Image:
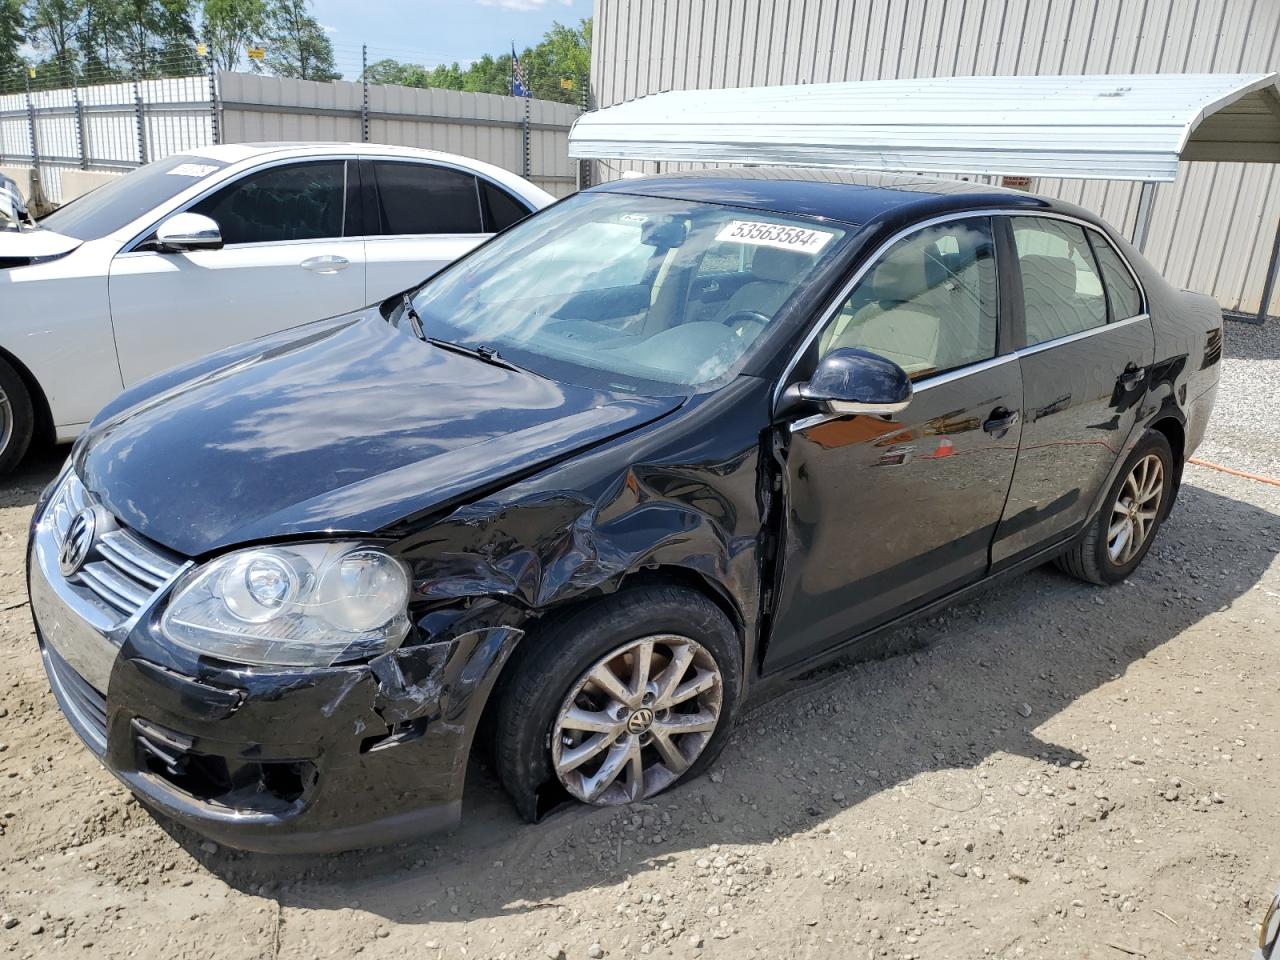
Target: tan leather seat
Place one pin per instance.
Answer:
(902, 320)
(1049, 292)
(773, 278)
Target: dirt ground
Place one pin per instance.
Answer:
(1059, 771)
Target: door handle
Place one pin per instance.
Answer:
(326, 264)
(1000, 421)
(1132, 376)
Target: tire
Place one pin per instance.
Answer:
(1098, 558)
(552, 687)
(17, 419)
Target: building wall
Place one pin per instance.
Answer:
(1211, 230)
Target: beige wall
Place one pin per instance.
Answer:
(1212, 230)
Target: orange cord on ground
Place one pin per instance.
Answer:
(1233, 472)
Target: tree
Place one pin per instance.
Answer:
(230, 26)
(13, 24)
(564, 53)
(154, 37)
(296, 43)
(53, 28)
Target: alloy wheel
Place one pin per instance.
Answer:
(637, 720)
(1133, 516)
(6, 421)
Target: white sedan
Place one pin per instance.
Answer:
(219, 245)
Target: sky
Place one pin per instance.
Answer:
(438, 31)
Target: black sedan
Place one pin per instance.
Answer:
(593, 485)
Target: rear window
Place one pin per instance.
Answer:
(501, 209)
(114, 205)
(417, 198)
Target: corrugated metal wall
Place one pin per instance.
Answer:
(1212, 230)
(479, 125)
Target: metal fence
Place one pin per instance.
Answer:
(115, 127)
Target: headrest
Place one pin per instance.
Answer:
(1052, 275)
(901, 276)
(780, 266)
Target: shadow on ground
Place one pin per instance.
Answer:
(955, 698)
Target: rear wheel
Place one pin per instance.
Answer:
(17, 418)
(1121, 534)
(620, 701)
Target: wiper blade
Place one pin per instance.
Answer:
(412, 313)
(483, 353)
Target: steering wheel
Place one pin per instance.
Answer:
(738, 317)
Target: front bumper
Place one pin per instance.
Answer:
(290, 760)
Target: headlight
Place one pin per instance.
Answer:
(305, 605)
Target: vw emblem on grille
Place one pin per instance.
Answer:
(78, 542)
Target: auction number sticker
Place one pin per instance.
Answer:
(192, 170)
(775, 235)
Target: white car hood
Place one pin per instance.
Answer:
(35, 243)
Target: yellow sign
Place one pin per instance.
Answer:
(31, 72)
(566, 83)
(256, 53)
(201, 50)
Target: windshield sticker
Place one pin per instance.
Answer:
(775, 235)
(192, 170)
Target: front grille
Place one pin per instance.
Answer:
(83, 699)
(123, 570)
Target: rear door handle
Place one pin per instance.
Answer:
(1132, 376)
(1000, 421)
(325, 264)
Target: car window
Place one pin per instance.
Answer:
(1122, 291)
(296, 201)
(501, 209)
(929, 303)
(573, 263)
(419, 198)
(596, 289)
(118, 203)
(1061, 289)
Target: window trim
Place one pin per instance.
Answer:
(131, 247)
(1000, 216)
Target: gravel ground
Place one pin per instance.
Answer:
(1055, 771)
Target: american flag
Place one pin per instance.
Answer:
(519, 85)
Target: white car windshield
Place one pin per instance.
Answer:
(115, 204)
(636, 288)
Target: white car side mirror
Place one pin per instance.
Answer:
(188, 231)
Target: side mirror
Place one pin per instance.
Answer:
(188, 231)
(851, 381)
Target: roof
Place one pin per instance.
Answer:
(847, 196)
(1121, 127)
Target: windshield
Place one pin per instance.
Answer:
(641, 293)
(113, 205)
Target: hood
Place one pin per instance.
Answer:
(30, 244)
(351, 428)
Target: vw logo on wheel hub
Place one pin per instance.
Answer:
(78, 542)
(640, 721)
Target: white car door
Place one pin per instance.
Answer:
(287, 259)
(422, 216)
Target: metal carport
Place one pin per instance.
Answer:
(1112, 127)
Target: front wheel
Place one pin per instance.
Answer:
(615, 704)
(1120, 536)
(17, 419)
